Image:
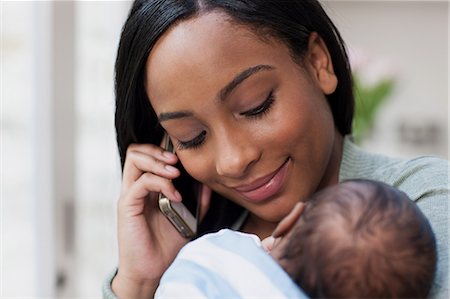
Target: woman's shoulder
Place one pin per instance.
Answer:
(418, 176)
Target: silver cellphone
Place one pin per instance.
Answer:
(183, 215)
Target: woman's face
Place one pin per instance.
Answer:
(246, 119)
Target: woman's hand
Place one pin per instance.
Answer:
(148, 242)
(283, 228)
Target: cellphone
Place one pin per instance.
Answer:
(183, 215)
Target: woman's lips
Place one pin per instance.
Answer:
(266, 186)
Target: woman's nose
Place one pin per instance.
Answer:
(235, 156)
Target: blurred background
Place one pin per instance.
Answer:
(60, 171)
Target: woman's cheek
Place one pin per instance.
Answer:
(198, 166)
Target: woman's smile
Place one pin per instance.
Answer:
(266, 186)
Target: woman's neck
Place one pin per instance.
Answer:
(331, 176)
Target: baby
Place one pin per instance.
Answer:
(358, 239)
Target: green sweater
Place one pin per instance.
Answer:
(424, 179)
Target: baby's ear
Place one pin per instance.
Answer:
(288, 222)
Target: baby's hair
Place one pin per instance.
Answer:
(362, 239)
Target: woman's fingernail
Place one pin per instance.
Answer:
(170, 168)
(177, 195)
(168, 155)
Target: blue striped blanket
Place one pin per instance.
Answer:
(226, 264)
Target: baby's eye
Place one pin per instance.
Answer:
(193, 143)
(262, 109)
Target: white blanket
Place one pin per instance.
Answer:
(226, 264)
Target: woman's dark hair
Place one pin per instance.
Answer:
(290, 21)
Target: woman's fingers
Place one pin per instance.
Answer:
(134, 199)
(147, 240)
(289, 221)
(267, 244)
(147, 158)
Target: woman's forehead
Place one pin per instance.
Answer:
(208, 38)
(204, 53)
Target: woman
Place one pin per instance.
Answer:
(257, 98)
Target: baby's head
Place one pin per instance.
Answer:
(359, 239)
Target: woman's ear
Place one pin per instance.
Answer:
(288, 222)
(319, 61)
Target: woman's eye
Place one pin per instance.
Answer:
(262, 109)
(193, 143)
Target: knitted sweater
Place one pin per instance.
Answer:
(424, 179)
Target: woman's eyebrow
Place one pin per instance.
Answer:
(224, 92)
(173, 115)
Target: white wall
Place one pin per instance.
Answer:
(17, 243)
(411, 39)
(98, 174)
